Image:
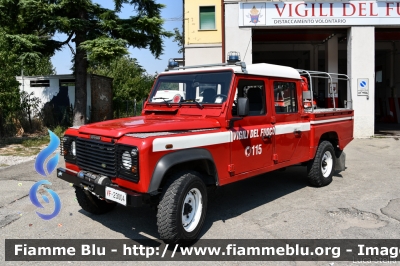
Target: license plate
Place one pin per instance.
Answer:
(116, 195)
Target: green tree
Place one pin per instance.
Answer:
(16, 55)
(178, 37)
(29, 105)
(98, 33)
(130, 80)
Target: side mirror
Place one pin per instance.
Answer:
(242, 106)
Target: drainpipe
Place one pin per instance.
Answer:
(183, 32)
(223, 29)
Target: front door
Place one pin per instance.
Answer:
(252, 137)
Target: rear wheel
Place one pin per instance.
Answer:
(91, 203)
(320, 169)
(182, 209)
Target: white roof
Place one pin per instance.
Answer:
(62, 76)
(270, 70)
(261, 69)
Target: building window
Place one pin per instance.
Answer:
(207, 17)
(67, 82)
(40, 83)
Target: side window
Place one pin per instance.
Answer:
(285, 97)
(254, 90)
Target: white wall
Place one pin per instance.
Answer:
(203, 54)
(361, 64)
(237, 39)
(45, 94)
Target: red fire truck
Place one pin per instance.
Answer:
(201, 127)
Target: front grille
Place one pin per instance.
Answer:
(96, 156)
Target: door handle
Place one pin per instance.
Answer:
(297, 132)
(266, 137)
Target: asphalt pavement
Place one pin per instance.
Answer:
(362, 202)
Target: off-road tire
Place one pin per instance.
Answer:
(91, 203)
(324, 160)
(171, 207)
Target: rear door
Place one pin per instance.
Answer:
(291, 128)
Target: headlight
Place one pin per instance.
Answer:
(126, 160)
(68, 148)
(73, 148)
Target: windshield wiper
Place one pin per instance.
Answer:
(164, 99)
(193, 101)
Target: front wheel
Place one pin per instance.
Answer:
(182, 209)
(320, 169)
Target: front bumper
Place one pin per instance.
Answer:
(134, 199)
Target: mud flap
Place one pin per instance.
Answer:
(340, 161)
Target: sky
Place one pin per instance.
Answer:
(172, 14)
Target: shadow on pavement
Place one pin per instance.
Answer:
(225, 203)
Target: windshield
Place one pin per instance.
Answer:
(198, 88)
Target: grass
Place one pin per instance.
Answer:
(3, 165)
(27, 146)
(35, 142)
(27, 142)
(18, 150)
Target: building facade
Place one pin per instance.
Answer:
(357, 38)
(203, 32)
